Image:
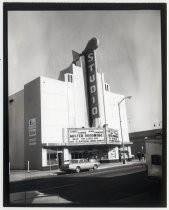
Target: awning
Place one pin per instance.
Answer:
(81, 145)
(52, 151)
(53, 145)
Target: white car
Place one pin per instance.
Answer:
(78, 165)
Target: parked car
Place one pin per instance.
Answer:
(78, 165)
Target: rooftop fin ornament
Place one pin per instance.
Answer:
(91, 45)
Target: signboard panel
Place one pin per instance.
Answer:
(92, 136)
(32, 142)
(112, 154)
(32, 122)
(86, 136)
(91, 77)
(32, 131)
(113, 136)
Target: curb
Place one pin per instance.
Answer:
(125, 165)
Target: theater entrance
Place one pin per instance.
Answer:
(86, 154)
(99, 154)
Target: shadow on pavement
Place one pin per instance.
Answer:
(134, 190)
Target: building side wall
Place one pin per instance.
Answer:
(57, 109)
(16, 130)
(32, 107)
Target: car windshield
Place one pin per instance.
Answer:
(74, 161)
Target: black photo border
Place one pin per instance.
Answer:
(24, 6)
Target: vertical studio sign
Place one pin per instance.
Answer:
(92, 85)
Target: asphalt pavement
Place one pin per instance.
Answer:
(126, 186)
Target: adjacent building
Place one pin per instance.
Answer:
(139, 140)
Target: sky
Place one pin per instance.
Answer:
(40, 43)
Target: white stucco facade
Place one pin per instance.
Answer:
(59, 108)
(64, 105)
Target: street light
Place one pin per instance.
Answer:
(127, 97)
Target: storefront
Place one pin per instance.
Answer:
(104, 153)
(91, 143)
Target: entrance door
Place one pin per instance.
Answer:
(60, 159)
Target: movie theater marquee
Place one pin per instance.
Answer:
(91, 136)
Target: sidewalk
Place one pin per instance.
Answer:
(18, 175)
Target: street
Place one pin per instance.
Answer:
(125, 186)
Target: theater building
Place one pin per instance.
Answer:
(76, 116)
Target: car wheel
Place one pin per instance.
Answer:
(95, 167)
(77, 169)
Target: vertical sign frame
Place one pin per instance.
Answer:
(91, 77)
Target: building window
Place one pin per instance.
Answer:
(32, 122)
(107, 87)
(70, 78)
(156, 159)
(52, 157)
